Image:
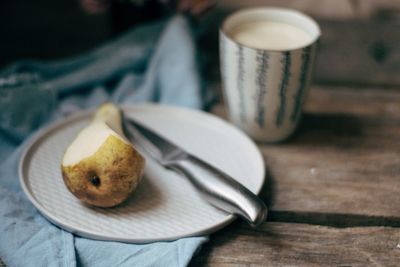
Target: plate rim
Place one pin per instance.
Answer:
(42, 133)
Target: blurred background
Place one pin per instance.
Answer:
(360, 44)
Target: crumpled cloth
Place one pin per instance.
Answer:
(155, 62)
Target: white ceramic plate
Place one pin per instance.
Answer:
(165, 206)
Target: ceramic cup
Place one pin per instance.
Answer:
(264, 89)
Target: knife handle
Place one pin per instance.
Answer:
(221, 190)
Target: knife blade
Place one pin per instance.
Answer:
(214, 185)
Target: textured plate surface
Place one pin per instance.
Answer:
(165, 206)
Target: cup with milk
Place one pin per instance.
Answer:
(266, 57)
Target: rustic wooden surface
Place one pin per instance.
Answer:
(341, 169)
(356, 52)
(290, 244)
(359, 52)
(344, 160)
(338, 10)
(360, 43)
(333, 189)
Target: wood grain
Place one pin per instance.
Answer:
(363, 48)
(358, 52)
(338, 10)
(342, 166)
(286, 244)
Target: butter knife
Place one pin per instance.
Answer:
(215, 186)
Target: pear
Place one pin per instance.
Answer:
(100, 167)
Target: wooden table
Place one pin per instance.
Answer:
(333, 190)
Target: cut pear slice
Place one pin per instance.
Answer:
(101, 167)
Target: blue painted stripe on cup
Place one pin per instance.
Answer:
(261, 84)
(286, 62)
(305, 66)
(240, 84)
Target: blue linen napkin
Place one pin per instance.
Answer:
(155, 62)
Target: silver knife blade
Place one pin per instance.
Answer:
(157, 146)
(217, 187)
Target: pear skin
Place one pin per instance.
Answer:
(106, 173)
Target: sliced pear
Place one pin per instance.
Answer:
(100, 167)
